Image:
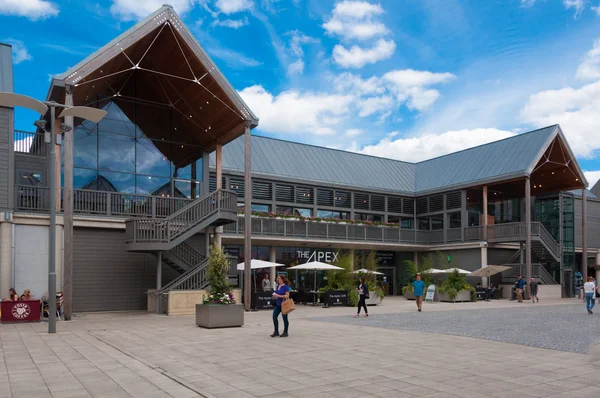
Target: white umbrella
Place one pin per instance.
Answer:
(316, 266)
(432, 271)
(450, 270)
(257, 264)
(366, 271)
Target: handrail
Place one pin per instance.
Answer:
(30, 143)
(549, 240)
(188, 254)
(197, 276)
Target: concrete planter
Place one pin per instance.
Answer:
(409, 295)
(212, 316)
(463, 295)
(373, 299)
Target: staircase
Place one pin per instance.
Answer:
(182, 257)
(537, 271)
(543, 244)
(153, 235)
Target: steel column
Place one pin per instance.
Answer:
(68, 210)
(52, 230)
(247, 216)
(560, 245)
(527, 230)
(485, 213)
(584, 267)
(219, 167)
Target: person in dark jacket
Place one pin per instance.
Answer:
(533, 289)
(519, 285)
(363, 295)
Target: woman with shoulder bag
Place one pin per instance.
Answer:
(282, 292)
(363, 295)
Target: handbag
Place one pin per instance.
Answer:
(287, 306)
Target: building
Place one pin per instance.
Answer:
(163, 173)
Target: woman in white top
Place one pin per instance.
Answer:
(590, 294)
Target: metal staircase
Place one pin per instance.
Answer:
(182, 257)
(542, 243)
(155, 235)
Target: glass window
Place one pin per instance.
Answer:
(116, 121)
(260, 208)
(155, 186)
(454, 220)
(423, 223)
(406, 223)
(115, 182)
(394, 219)
(303, 212)
(474, 218)
(85, 148)
(85, 179)
(341, 215)
(437, 222)
(284, 210)
(186, 172)
(188, 189)
(149, 159)
(116, 153)
(368, 217)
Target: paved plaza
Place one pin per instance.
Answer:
(497, 349)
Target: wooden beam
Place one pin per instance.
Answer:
(247, 216)
(527, 230)
(68, 211)
(584, 268)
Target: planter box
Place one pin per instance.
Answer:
(219, 316)
(373, 299)
(463, 295)
(409, 295)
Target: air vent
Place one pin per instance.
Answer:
(342, 199)
(453, 200)
(377, 203)
(284, 193)
(422, 206)
(262, 190)
(436, 203)
(212, 183)
(361, 201)
(304, 195)
(394, 205)
(324, 197)
(408, 206)
(237, 186)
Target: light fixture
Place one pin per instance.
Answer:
(552, 173)
(535, 186)
(540, 185)
(149, 177)
(175, 128)
(182, 146)
(577, 179)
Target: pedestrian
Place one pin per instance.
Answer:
(418, 289)
(590, 294)
(363, 295)
(282, 291)
(266, 284)
(519, 284)
(533, 289)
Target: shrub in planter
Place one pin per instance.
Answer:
(455, 283)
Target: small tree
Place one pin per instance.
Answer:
(220, 289)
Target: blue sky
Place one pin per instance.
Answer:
(407, 79)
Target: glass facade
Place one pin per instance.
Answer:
(341, 215)
(368, 217)
(116, 155)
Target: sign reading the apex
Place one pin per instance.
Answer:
(325, 257)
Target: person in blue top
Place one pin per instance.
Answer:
(519, 284)
(282, 291)
(418, 289)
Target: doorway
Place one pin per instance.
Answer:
(388, 280)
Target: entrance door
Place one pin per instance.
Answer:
(388, 280)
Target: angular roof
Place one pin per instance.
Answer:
(596, 189)
(513, 157)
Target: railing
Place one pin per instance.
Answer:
(32, 198)
(507, 232)
(182, 221)
(30, 143)
(551, 244)
(188, 254)
(537, 271)
(473, 233)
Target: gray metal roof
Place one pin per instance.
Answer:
(511, 157)
(6, 68)
(273, 157)
(596, 189)
(508, 157)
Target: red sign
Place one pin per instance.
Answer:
(20, 311)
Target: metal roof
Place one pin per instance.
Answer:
(302, 162)
(507, 158)
(6, 68)
(512, 156)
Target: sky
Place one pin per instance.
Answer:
(403, 79)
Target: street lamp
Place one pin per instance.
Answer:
(11, 100)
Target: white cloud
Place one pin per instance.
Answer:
(296, 68)
(32, 9)
(357, 57)
(298, 39)
(592, 176)
(411, 85)
(233, 59)
(576, 110)
(416, 149)
(527, 3)
(597, 9)
(356, 20)
(233, 6)
(353, 132)
(578, 5)
(294, 112)
(231, 23)
(19, 51)
(372, 105)
(128, 10)
(352, 83)
(590, 67)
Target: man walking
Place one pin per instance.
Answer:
(533, 289)
(418, 290)
(590, 294)
(519, 284)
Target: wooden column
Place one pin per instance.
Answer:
(68, 209)
(205, 173)
(57, 163)
(584, 268)
(485, 213)
(247, 216)
(273, 259)
(464, 216)
(560, 245)
(219, 167)
(194, 177)
(527, 230)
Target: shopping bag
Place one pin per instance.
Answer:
(287, 306)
